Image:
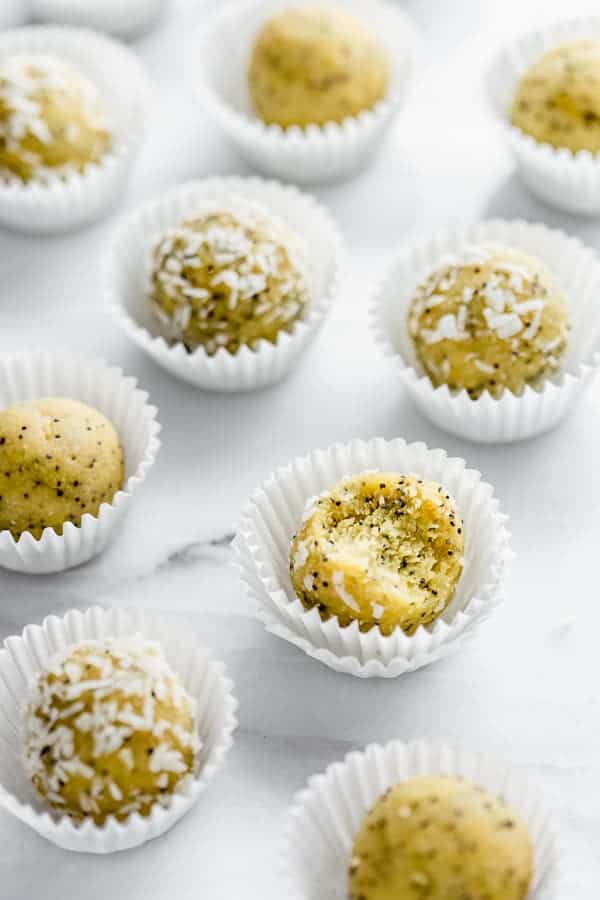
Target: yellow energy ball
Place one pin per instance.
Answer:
(380, 548)
(228, 279)
(52, 121)
(557, 101)
(488, 319)
(436, 838)
(59, 459)
(314, 65)
(109, 730)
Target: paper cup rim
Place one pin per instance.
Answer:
(550, 36)
(412, 376)
(111, 10)
(125, 146)
(339, 770)
(314, 136)
(234, 186)
(179, 802)
(152, 447)
(249, 560)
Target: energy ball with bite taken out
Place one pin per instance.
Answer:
(380, 548)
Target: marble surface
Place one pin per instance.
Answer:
(526, 689)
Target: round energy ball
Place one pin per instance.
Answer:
(489, 319)
(52, 122)
(437, 838)
(59, 459)
(228, 279)
(379, 548)
(312, 66)
(557, 101)
(109, 730)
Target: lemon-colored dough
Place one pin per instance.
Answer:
(489, 318)
(228, 279)
(109, 730)
(436, 838)
(557, 101)
(381, 548)
(312, 66)
(59, 459)
(52, 122)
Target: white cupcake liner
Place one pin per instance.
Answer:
(273, 514)
(325, 817)
(314, 154)
(508, 417)
(122, 18)
(24, 657)
(29, 376)
(79, 199)
(248, 369)
(13, 12)
(568, 181)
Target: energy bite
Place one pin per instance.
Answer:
(52, 121)
(437, 838)
(491, 319)
(228, 278)
(314, 65)
(109, 730)
(59, 459)
(557, 101)
(383, 549)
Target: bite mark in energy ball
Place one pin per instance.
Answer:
(379, 548)
(489, 319)
(227, 279)
(59, 459)
(557, 101)
(313, 66)
(440, 838)
(52, 121)
(109, 730)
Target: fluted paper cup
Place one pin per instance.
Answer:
(326, 816)
(13, 12)
(77, 199)
(273, 514)
(128, 280)
(26, 377)
(510, 417)
(569, 181)
(219, 71)
(21, 661)
(122, 18)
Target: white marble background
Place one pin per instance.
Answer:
(526, 689)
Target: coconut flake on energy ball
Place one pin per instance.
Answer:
(52, 121)
(109, 730)
(489, 318)
(228, 277)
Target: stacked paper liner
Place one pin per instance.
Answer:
(325, 817)
(275, 511)
(78, 199)
(220, 73)
(13, 12)
(29, 376)
(128, 280)
(509, 417)
(24, 657)
(569, 181)
(123, 19)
